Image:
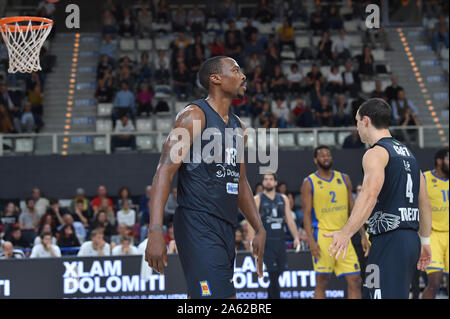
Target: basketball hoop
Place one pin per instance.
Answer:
(24, 37)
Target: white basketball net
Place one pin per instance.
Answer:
(24, 46)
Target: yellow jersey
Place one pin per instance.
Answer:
(330, 201)
(438, 193)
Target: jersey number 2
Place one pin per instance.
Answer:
(333, 199)
(409, 189)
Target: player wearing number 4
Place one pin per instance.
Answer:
(274, 210)
(437, 186)
(393, 195)
(326, 201)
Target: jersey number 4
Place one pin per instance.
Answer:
(409, 189)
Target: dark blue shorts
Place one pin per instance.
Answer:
(275, 255)
(206, 249)
(395, 254)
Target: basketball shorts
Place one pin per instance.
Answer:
(439, 252)
(275, 255)
(206, 250)
(327, 265)
(392, 264)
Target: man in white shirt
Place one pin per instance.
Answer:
(95, 247)
(123, 126)
(8, 251)
(295, 80)
(45, 248)
(40, 203)
(341, 45)
(125, 247)
(126, 215)
(281, 113)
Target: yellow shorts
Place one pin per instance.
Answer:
(439, 252)
(327, 265)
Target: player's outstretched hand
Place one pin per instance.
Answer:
(365, 246)
(339, 244)
(425, 258)
(258, 244)
(156, 251)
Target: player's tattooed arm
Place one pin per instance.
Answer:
(174, 150)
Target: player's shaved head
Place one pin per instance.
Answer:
(210, 66)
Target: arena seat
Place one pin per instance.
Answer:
(350, 26)
(104, 109)
(163, 124)
(127, 44)
(368, 86)
(162, 44)
(444, 54)
(325, 70)
(302, 42)
(24, 145)
(378, 55)
(286, 140)
(144, 142)
(305, 139)
(103, 126)
(342, 136)
(99, 143)
(355, 40)
(326, 138)
(287, 55)
(144, 125)
(179, 105)
(316, 40)
(265, 28)
(144, 44)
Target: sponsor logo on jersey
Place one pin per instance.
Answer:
(339, 181)
(205, 288)
(232, 188)
(434, 180)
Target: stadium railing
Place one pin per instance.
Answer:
(152, 141)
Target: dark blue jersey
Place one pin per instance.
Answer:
(272, 216)
(209, 183)
(398, 203)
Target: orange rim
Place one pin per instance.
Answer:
(7, 23)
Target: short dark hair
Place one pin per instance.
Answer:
(379, 112)
(46, 234)
(275, 177)
(210, 66)
(440, 154)
(320, 147)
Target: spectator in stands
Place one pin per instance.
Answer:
(29, 220)
(196, 20)
(126, 75)
(81, 196)
(45, 9)
(353, 141)
(68, 239)
(109, 23)
(266, 118)
(404, 111)
(228, 8)
(333, 18)
(257, 100)
(378, 92)
(294, 80)
(45, 248)
(233, 48)
(179, 20)
(181, 42)
(144, 100)
(122, 230)
(392, 90)
(440, 37)
(169, 235)
(171, 206)
(17, 239)
(108, 48)
(6, 125)
(194, 64)
(143, 200)
(334, 81)
(47, 220)
(239, 240)
(8, 99)
(302, 113)
(324, 114)
(283, 189)
(341, 47)
(35, 99)
(253, 62)
(249, 29)
(125, 247)
(313, 76)
(341, 112)
(101, 194)
(27, 120)
(80, 214)
(123, 139)
(95, 247)
(350, 80)
(272, 59)
(316, 94)
(105, 64)
(104, 92)
(102, 223)
(237, 33)
(193, 47)
(277, 85)
(126, 62)
(182, 82)
(144, 72)
(124, 102)
(8, 251)
(264, 14)
(241, 106)
(162, 12)
(366, 63)
(286, 36)
(324, 53)
(299, 13)
(145, 22)
(126, 215)
(8, 218)
(281, 113)
(80, 231)
(257, 77)
(161, 67)
(217, 47)
(318, 20)
(378, 36)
